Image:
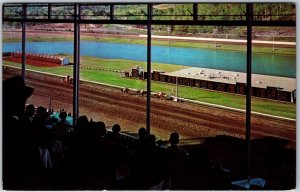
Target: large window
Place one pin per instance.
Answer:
(195, 67)
(199, 56)
(49, 58)
(112, 66)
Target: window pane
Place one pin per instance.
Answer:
(37, 11)
(108, 90)
(274, 11)
(274, 93)
(62, 12)
(222, 11)
(173, 12)
(49, 57)
(203, 69)
(130, 12)
(91, 12)
(12, 11)
(12, 43)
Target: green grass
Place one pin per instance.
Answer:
(125, 65)
(214, 97)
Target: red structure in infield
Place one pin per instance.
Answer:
(37, 59)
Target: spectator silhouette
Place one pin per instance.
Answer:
(41, 129)
(63, 124)
(116, 128)
(174, 139)
(28, 115)
(83, 160)
(115, 134)
(98, 129)
(81, 126)
(63, 116)
(142, 133)
(140, 144)
(21, 162)
(151, 147)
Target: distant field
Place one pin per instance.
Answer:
(114, 78)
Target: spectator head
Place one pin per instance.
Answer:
(29, 110)
(15, 94)
(98, 128)
(151, 138)
(116, 128)
(63, 115)
(82, 122)
(84, 129)
(101, 128)
(45, 116)
(174, 138)
(142, 133)
(40, 110)
(159, 143)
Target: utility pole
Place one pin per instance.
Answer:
(273, 43)
(169, 30)
(176, 99)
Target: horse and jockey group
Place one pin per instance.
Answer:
(143, 92)
(68, 79)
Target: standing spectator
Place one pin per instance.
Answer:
(21, 161)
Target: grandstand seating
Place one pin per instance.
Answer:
(84, 159)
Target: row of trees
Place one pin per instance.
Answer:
(206, 11)
(211, 11)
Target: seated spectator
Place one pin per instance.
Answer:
(41, 130)
(151, 147)
(141, 143)
(174, 139)
(39, 113)
(142, 133)
(63, 123)
(115, 134)
(82, 124)
(98, 129)
(85, 157)
(116, 128)
(63, 116)
(28, 115)
(159, 143)
(40, 110)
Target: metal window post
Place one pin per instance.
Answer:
(24, 12)
(176, 88)
(49, 11)
(112, 12)
(249, 73)
(148, 115)
(195, 11)
(76, 62)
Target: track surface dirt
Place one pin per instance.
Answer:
(193, 122)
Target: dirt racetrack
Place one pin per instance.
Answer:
(193, 122)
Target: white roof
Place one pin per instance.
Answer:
(232, 77)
